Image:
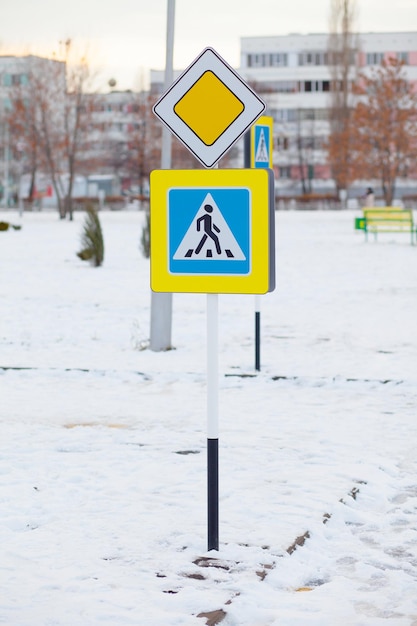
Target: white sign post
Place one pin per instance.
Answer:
(212, 422)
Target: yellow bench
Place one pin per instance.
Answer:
(389, 220)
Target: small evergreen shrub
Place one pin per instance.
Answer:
(92, 243)
(7, 225)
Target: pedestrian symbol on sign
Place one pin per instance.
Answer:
(209, 236)
(209, 231)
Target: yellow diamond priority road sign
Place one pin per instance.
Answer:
(209, 107)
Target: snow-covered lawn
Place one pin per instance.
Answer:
(103, 442)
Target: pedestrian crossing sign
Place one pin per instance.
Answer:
(262, 142)
(212, 231)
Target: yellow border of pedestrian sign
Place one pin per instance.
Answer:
(232, 251)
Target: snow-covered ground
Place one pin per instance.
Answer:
(103, 442)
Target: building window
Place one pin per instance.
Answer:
(282, 116)
(403, 56)
(307, 86)
(278, 59)
(311, 142)
(285, 171)
(314, 85)
(287, 86)
(305, 142)
(321, 115)
(313, 58)
(14, 80)
(338, 57)
(305, 114)
(277, 86)
(374, 58)
(256, 60)
(273, 59)
(282, 143)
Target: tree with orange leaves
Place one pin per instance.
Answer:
(383, 128)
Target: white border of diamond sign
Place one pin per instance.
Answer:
(209, 60)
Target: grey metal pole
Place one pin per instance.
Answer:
(247, 161)
(6, 165)
(161, 303)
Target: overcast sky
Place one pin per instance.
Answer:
(127, 37)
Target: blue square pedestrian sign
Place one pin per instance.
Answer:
(262, 142)
(204, 238)
(211, 231)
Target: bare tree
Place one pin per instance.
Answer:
(77, 118)
(144, 142)
(342, 50)
(48, 92)
(24, 134)
(144, 147)
(305, 146)
(52, 116)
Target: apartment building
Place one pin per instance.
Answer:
(116, 117)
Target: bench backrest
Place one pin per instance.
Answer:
(388, 215)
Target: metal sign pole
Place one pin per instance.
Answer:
(258, 333)
(247, 163)
(161, 303)
(212, 423)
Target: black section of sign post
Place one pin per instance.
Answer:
(213, 494)
(246, 150)
(258, 341)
